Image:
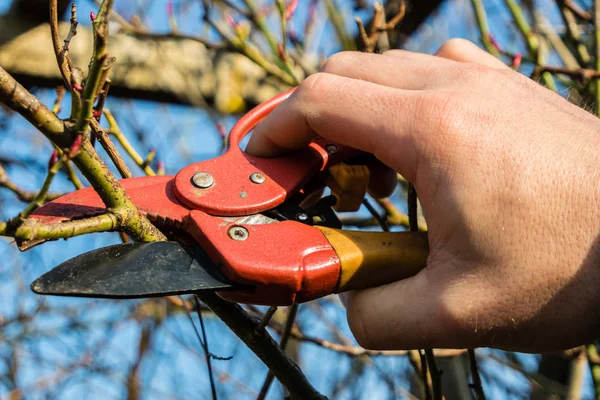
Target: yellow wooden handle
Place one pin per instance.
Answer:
(370, 259)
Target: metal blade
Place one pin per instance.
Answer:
(135, 270)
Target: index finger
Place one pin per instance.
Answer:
(370, 117)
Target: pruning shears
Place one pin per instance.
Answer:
(255, 230)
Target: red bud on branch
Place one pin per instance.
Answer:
(231, 21)
(53, 159)
(517, 59)
(92, 16)
(78, 88)
(281, 52)
(170, 9)
(221, 130)
(160, 167)
(494, 42)
(290, 9)
(74, 150)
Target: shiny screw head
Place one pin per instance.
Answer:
(302, 217)
(238, 233)
(331, 148)
(257, 178)
(203, 180)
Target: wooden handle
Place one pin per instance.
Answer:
(370, 259)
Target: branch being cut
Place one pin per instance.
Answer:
(33, 231)
(263, 345)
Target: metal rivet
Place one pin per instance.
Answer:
(331, 148)
(301, 217)
(203, 180)
(238, 233)
(257, 178)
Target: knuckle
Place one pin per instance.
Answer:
(314, 85)
(316, 89)
(454, 47)
(395, 53)
(311, 88)
(339, 61)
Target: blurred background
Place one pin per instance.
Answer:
(180, 81)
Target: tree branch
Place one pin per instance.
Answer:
(31, 230)
(262, 344)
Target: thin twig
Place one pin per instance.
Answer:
(574, 32)
(207, 353)
(425, 376)
(58, 51)
(337, 21)
(32, 230)
(545, 28)
(267, 317)
(396, 19)
(285, 335)
(122, 139)
(70, 35)
(484, 28)
(261, 343)
(414, 358)
(110, 149)
(98, 66)
(23, 195)
(476, 385)
(584, 74)
(382, 221)
(40, 198)
(72, 175)
(258, 19)
(60, 94)
(531, 40)
(575, 9)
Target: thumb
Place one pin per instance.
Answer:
(408, 314)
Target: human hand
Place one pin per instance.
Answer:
(507, 174)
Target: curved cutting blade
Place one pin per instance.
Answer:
(134, 270)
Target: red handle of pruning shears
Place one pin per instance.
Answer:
(232, 192)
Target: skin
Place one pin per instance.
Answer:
(507, 173)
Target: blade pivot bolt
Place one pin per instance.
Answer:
(331, 148)
(238, 233)
(257, 178)
(203, 180)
